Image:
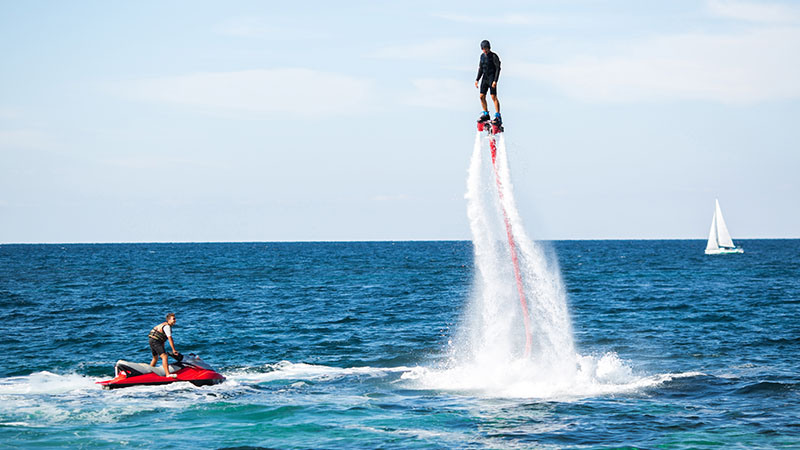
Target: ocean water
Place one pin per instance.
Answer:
(387, 345)
(497, 342)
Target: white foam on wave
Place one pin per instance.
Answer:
(47, 383)
(286, 370)
(44, 398)
(523, 378)
(20, 424)
(592, 376)
(440, 437)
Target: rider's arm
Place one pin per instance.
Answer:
(496, 67)
(172, 344)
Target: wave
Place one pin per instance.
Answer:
(46, 383)
(767, 388)
(286, 370)
(592, 377)
(46, 398)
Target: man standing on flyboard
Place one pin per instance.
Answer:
(489, 70)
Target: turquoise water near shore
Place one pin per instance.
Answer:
(348, 345)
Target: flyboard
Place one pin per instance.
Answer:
(492, 129)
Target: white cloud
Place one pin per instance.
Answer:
(735, 68)
(23, 139)
(505, 19)
(299, 92)
(446, 94)
(149, 162)
(391, 198)
(8, 113)
(435, 50)
(258, 28)
(754, 12)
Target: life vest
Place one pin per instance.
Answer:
(157, 332)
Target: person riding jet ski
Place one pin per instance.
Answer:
(158, 337)
(188, 368)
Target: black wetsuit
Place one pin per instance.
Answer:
(489, 69)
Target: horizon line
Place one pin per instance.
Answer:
(370, 241)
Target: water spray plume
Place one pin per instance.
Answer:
(514, 257)
(518, 306)
(515, 338)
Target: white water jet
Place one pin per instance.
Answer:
(493, 332)
(488, 355)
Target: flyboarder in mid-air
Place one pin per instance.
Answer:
(489, 70)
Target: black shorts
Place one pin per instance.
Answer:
(488, 86)
(157, 347)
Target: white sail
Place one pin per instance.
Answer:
(723, 236)
(712, 235)
(719, 239)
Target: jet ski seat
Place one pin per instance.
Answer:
(143, 368)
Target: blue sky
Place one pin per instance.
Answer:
(274, 121)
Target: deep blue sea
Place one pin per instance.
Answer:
(321, 344)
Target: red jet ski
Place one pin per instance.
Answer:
(187, 368)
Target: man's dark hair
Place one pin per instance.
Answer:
(170, 315)
(485, 44)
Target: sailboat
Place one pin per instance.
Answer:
(719, 239)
